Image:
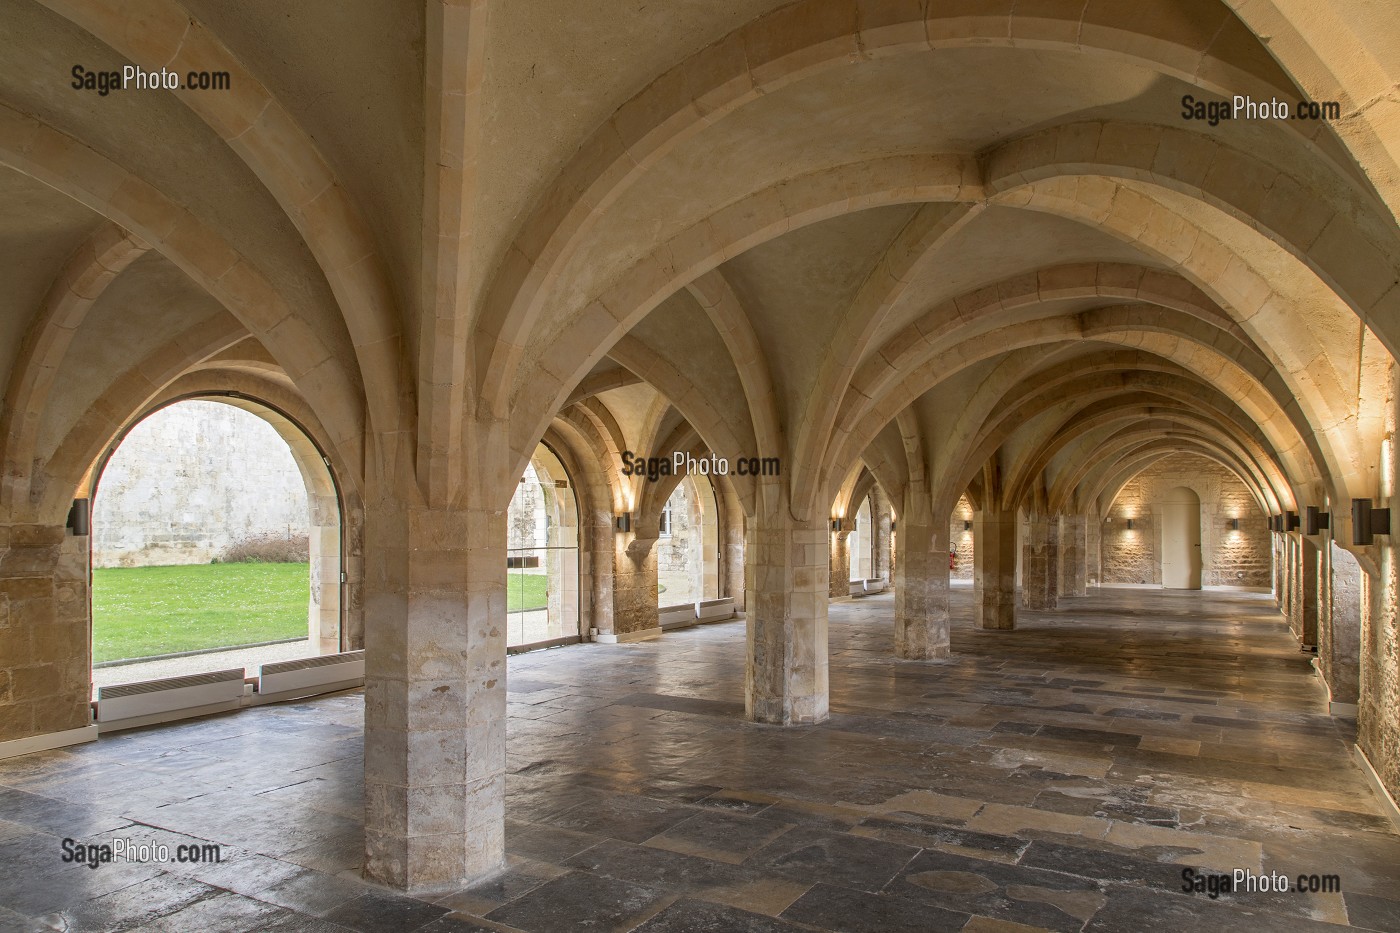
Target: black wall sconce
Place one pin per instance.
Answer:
(1315, 520)
(836, 524)
(894, 523)
(967, 525)
(1276, 523)
(1292, 521)
(80, 518)
(624, 521)
(1130, 524)
(1234, 524)
(1367, 522)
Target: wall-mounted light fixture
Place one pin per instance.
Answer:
(836, 524)
(1292, 521)
(1276, 523)
(79, 518)
(1130, 524)
(1234, 524)
(894, 523)
(967, 525)
(624, 521)
(1316, 520)
(1367, 522)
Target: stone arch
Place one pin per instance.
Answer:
(795, 42)
(128, 394)
(944, 364)
(255, 125)
(327, 628)
(1075, 432)
(64, 163)
(1126, 440)
(95, 265)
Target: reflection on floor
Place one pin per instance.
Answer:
(1060, 776)
(246, 658)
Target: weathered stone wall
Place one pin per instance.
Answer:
(1377, 726)
(1228, 557)
(1339, 621)
(190, 480)
(45, 641)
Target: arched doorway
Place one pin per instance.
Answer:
(216, 543)
(1181, 539)
(542, 556)
(861, 542)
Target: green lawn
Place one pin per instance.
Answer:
(142, 611)
(526, 591)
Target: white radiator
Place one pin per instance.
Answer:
(287, 680)
(676, 616)
(125, 706)
(715, 610)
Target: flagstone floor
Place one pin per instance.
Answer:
(1061, 776)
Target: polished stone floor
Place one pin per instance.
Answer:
(1057, 777)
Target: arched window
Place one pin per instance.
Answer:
(861, 543)
(687, 557)
(542, 592)
(215, 544)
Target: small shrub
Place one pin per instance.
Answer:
(267, 549)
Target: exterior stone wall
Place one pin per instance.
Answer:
(687, 562)
(526, 526)
(190, 480)
(673, 552)
(1228, 557)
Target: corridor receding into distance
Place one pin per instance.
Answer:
(1064, 773)
(771, 465)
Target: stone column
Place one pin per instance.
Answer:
(840, 564)
(435, 697)
(882, 538)
(635, 587)
(735, 534)
(1093, 541)
(1290, 579)
(994, 569)
(1307, 591)
(1040, 570)
(788, 576)
(1073, 555)
(1293, 580)
(921, 628)
(1339, 640)
(45, 632)
(596, 565)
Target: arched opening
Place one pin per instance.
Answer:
(687, 551)
(961, 540)
(1181, 539)
(542, 556)
(216, 543)
(862, 542)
